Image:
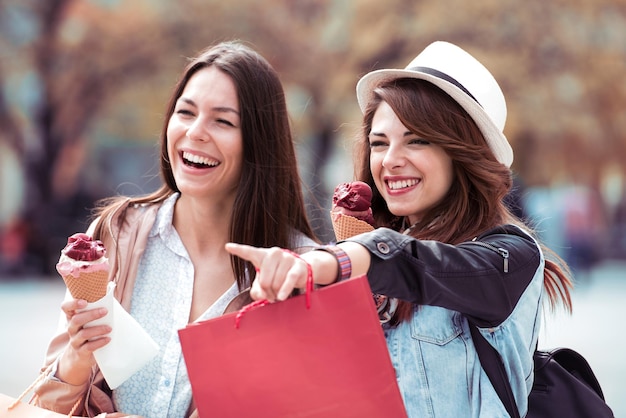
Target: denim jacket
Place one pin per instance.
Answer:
(495, 280)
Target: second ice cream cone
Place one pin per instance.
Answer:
(346, 226)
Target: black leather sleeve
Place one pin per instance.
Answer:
(483, 279)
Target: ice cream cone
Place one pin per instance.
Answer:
(90, 286)
(346, 226)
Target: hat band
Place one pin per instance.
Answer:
(444, 76)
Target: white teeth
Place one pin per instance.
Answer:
(197, 159)
(401, 184)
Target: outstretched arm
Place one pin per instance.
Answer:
(280, 271)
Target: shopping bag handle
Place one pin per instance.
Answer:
(263, 302)
(39, 378)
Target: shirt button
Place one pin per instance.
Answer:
(383, 248)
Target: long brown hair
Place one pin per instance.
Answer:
(475, 202)
(269, 204)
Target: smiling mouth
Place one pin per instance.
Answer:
(198, 161)
(401, 184)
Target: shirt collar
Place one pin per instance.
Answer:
(163, 223)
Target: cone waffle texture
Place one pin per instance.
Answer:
(346, 226)
(89, 286)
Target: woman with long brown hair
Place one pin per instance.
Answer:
(446, 247)
(229, 173)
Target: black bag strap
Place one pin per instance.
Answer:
(494, 368)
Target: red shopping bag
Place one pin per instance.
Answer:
(285, 359)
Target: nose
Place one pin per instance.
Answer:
(197, 131)
(394, 157)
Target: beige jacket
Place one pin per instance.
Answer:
(124, 256)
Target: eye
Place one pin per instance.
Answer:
(225, 122)
(419, 141)
(184, 112)
(377, 144)
(185, 107)
(377, 141)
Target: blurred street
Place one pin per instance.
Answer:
(29, 314)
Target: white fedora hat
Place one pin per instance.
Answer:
(464, 79)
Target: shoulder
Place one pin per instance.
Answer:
(510, 237)
(125, 216)
(137, 211)
(518, 246)
(507, 230)
(299, 239)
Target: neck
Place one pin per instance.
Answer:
(201, 225)
(407, 226)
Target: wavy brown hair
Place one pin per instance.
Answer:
(269, 204)
(475, 202)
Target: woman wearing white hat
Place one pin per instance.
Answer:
(447, 248)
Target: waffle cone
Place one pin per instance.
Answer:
(346, 226)
(88, 286)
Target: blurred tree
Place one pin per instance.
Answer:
(87, 73)
(77, 61)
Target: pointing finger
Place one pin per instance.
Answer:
(253, 254)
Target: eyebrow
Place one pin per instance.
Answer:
(382, 134)
(218, 108)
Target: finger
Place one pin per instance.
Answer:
(90, 338)
(271, 272)
(295, 277)
(284, 281)
(81, 319)
(256, 292)
(273, 266)
(91, 345)
(72, 306)
(247, 252)
(93, 333)
(280, 272)
(85, 337)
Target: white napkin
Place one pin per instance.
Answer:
(130, 347)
